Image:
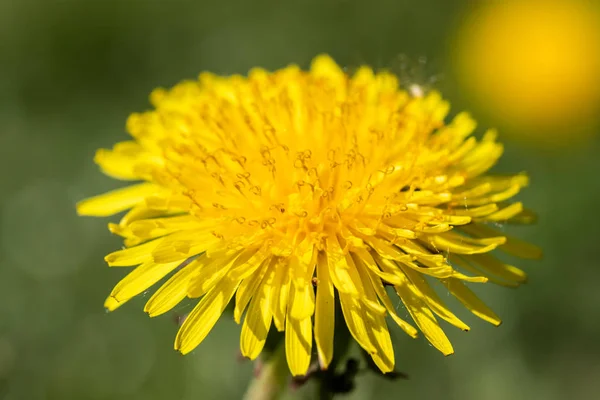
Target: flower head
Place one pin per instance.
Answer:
(291, 188)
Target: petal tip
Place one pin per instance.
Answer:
(152, 310)
(111, 303)
(84, 209)
(182, 348)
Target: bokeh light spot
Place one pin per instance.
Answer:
(533, 65)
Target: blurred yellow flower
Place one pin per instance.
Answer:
(533, 64)
(293, 188)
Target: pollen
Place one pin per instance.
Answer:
(289, 189)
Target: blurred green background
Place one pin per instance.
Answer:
(70, 73)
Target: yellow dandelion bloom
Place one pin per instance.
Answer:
(291, 188)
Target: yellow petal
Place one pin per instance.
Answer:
(356, 321)
(258, 320)
(437, 268)
(210, 271)
(477, 212)
(491, 198)
(204, 316)
(421, 254)
(506, 213)
(248, 262)
(434, 302)
(375, 324)
(298, 344)
(302, 302)
(471, 301)
(445, 271)
(122, 229)
(387, 250)
(491, 264)
(522, 249)
(477, 189)
(499, 182)
(133, 255)
(384, 356)
(141, 212)
(485, 241)
(324, 313)
(525, 217)
(280, 297)
(447, 219)
(513, 246)
(172, 202)
(249, 286)
(466, 263)
(371, 264)
(302, 296)
(452, 243)
(137, 281)
(324, 66)
(121, 161)
(342, 274)
(464, 148)
(116, 201)
(172, 292)
(398, 232)
(444, 227)
(183, 244)
(385, 299)
(483, 156)
(155, 227)
(423, 317)
(369, 298)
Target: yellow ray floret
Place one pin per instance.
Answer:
(297, 192)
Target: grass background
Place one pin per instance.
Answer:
(70, 73)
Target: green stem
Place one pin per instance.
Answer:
(272, 378)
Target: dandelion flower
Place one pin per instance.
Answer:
(288, 189)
